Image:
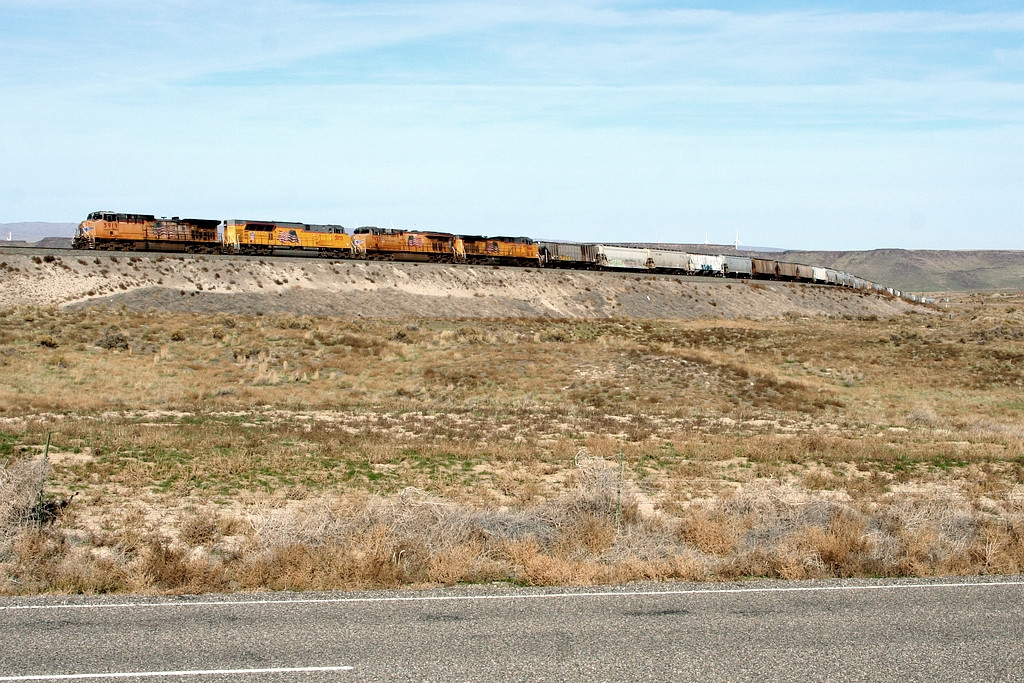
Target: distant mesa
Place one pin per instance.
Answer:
(34, 232)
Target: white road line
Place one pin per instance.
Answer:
(535, 596)
(155, 674)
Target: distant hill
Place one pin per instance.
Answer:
(33, 232)
(910, 270)
(922, 270)
(54, 243)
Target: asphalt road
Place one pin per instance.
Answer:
(840, 631)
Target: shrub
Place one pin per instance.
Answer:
(112, 339)
(20, 492)
(202, 528)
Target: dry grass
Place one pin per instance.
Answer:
(20, 487)
(217, 452)
(767, 529)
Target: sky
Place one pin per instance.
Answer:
(846, 125)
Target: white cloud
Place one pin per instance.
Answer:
(566, 43)
(570, 120)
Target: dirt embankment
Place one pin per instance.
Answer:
(393, 290)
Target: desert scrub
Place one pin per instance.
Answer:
(250, 451)
(25, 510)
(593, 529)
(20, 485)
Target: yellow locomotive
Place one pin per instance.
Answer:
(508, 251)
(266, 237)
(389, 244)
(143, 232)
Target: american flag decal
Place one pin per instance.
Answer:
(163, 230)
(491, 248)
(415, 240)
(288, 237)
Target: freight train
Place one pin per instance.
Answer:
(106, 230)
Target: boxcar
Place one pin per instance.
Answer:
(819, 274)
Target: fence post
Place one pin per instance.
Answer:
(42, 480)
(618, 496)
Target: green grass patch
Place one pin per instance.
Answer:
(7, 443)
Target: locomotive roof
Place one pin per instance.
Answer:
(113, 215)
(519, 240)
(202, 222)
(374, 230)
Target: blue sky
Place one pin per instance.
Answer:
(855, 125)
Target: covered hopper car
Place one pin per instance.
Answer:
(738, 266)
(624, 258)
(707, 264)
(669, 261)
(568, 255)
